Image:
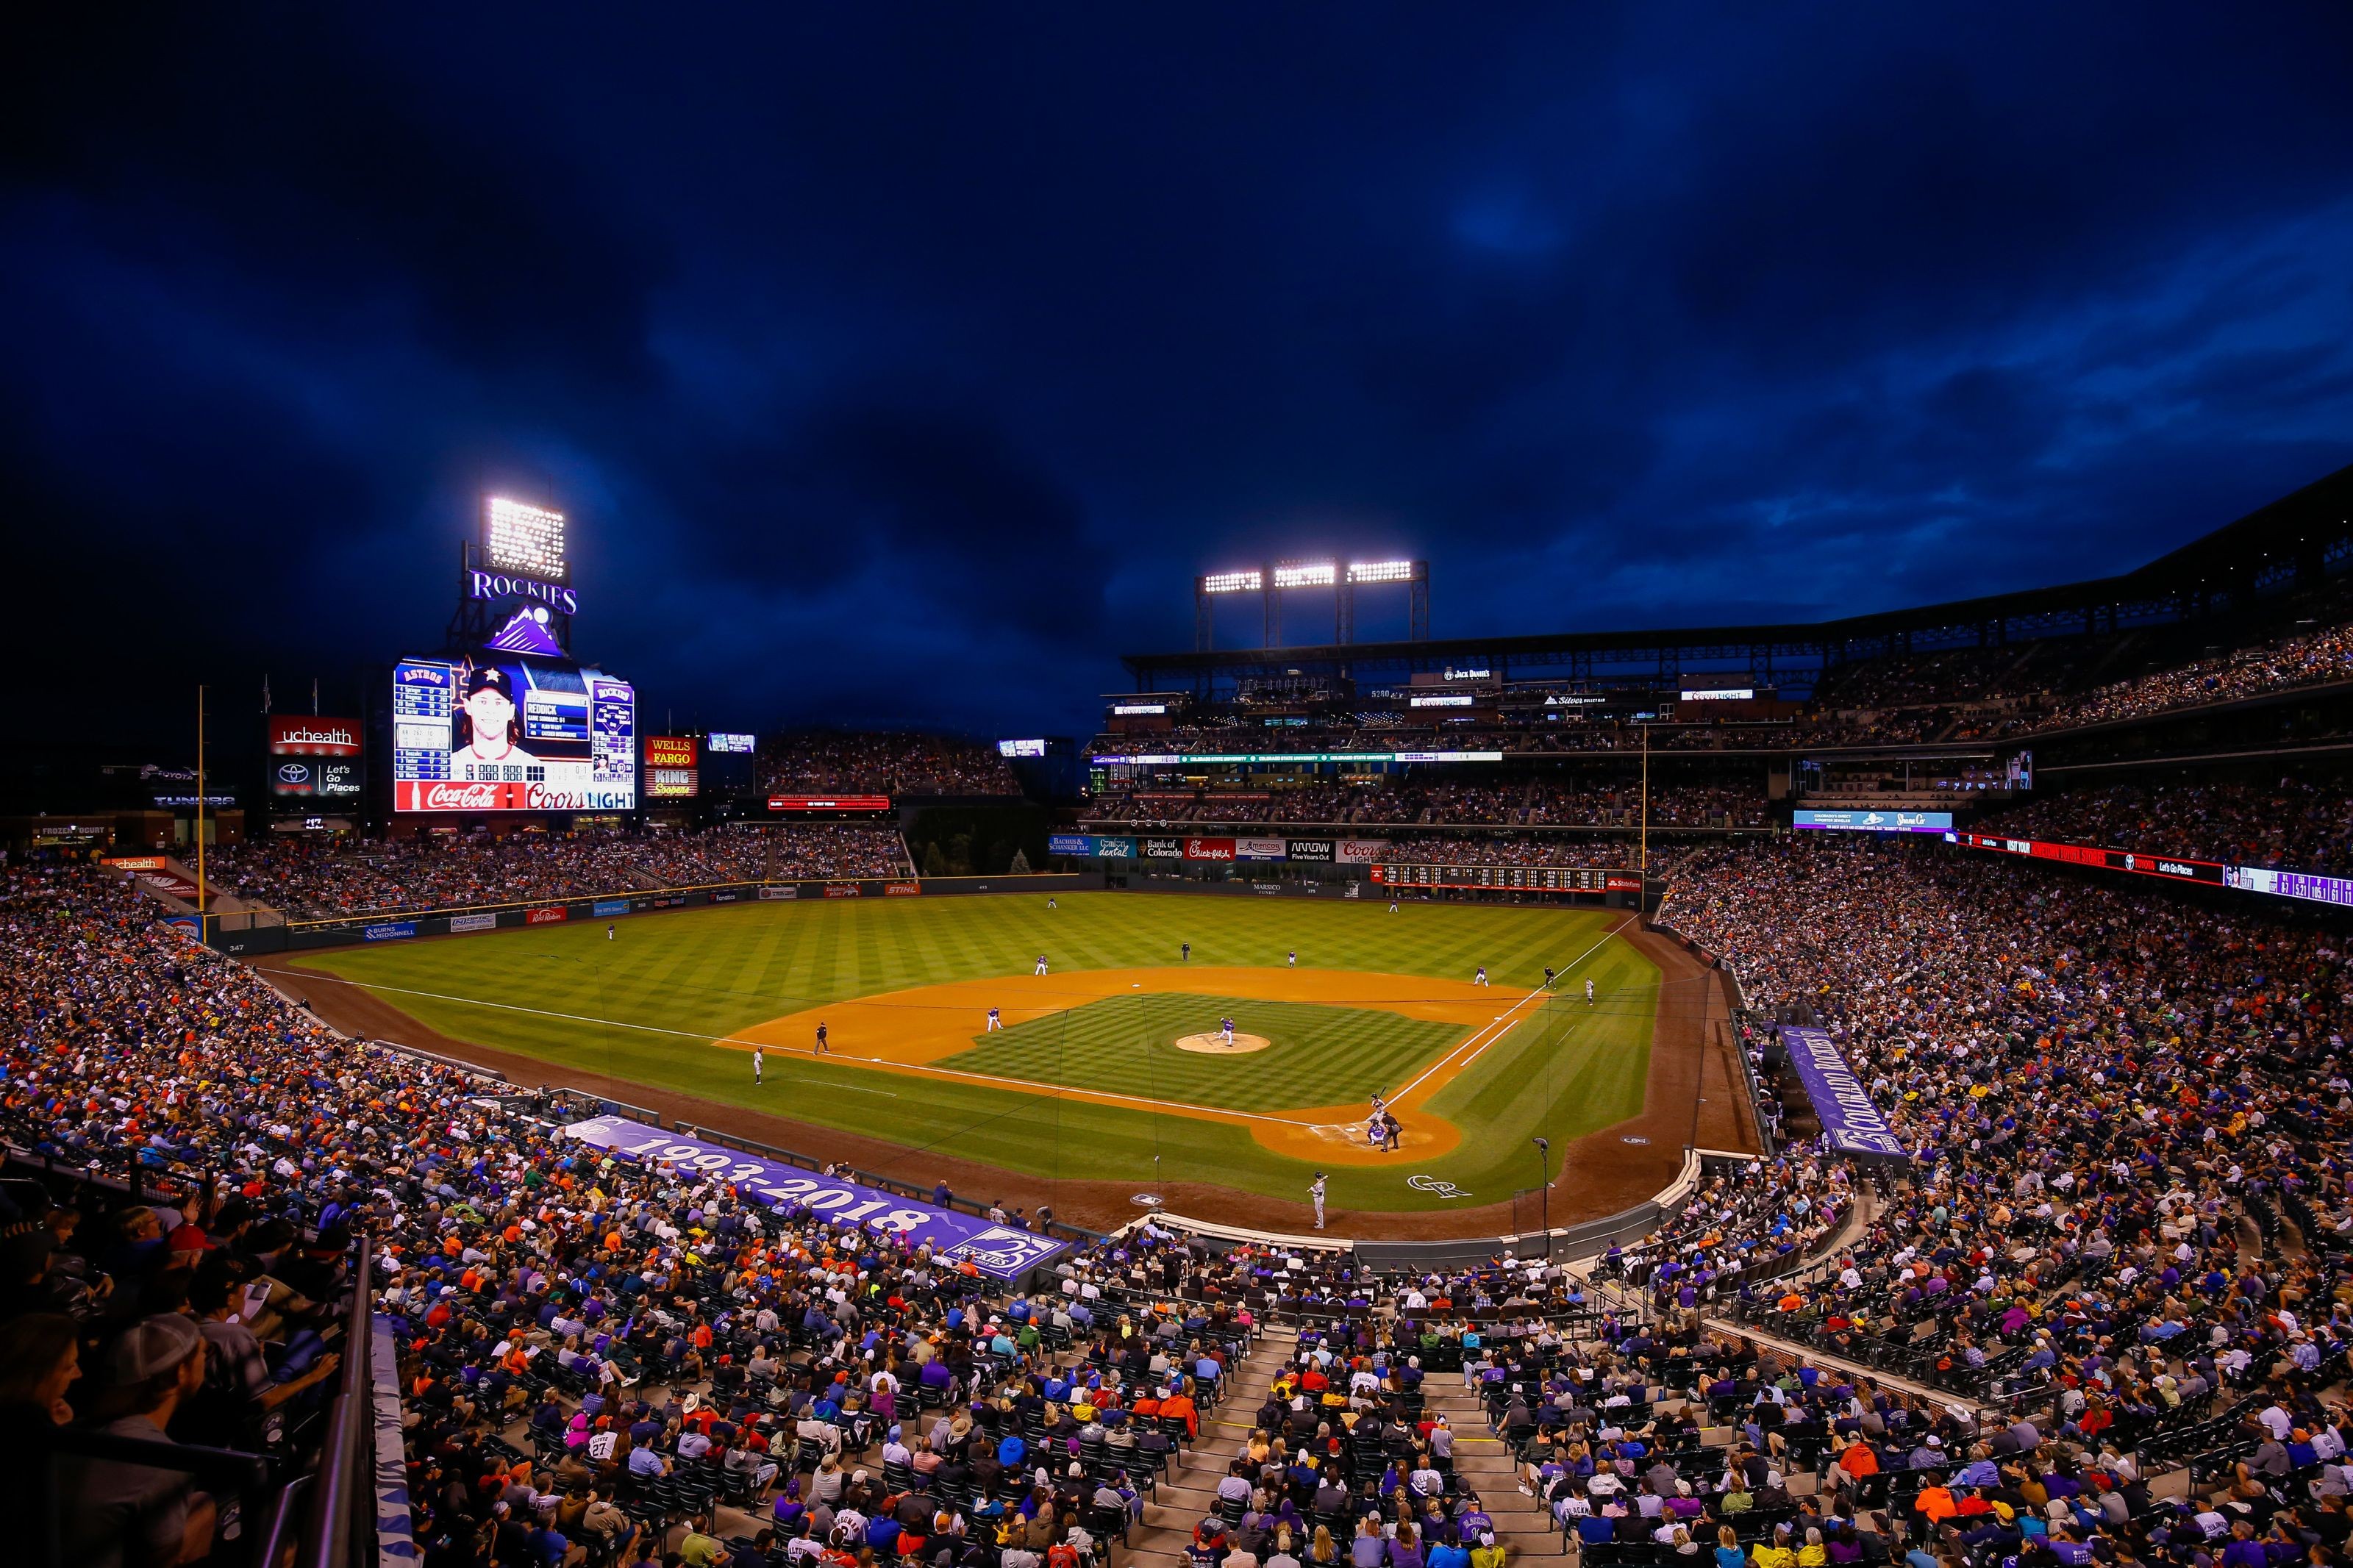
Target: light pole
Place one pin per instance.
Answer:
(1544, 1188)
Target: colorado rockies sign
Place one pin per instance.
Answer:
(998, 1251)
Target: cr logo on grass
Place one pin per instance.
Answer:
(1435, 1187)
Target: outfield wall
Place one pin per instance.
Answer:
(294, 936)
(1564, 1244)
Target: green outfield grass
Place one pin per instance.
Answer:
(1317, 1054)
(647, 1004)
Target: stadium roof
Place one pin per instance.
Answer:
(2292, 543)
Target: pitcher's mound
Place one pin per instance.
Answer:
(1215, 1044)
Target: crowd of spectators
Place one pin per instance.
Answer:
(595, 1356)
(2311, 658)
(2117, 1108)
(311, 876)
(308, 876)
(881, 762)
(2295, 824)
(2094, 1084)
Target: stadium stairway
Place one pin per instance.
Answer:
(1484, 1465)
(1188, 1493)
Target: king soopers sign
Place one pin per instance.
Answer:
(998, 1251)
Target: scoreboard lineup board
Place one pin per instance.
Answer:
(1509, 878)
(568, 740)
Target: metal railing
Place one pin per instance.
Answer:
(341, 1521)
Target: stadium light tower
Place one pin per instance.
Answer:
(1414, 574)
(1272, 580)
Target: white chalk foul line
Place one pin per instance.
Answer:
(1505, 1019)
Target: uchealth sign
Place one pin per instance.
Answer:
(1208, 850)
(296, 737)
(999, 1251)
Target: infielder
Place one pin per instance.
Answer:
(1316, 1192)
(1480, 978)
(996, 1022)
(1294, 958)
(1041, 963)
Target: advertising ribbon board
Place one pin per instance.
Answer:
(1854, 1124)
(998, 1251)
(1875, 821)
(2289, 884)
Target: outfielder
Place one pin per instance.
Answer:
(757, 1060)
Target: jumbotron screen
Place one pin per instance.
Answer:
(511, 734)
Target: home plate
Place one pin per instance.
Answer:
(1215, 1044)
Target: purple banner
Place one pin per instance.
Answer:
(1844, 1106)
(999, 1251)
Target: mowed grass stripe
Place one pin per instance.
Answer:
(1317, 1055)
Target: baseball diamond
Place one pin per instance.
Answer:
(1089, 1078)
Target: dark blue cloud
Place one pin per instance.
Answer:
(908, 364)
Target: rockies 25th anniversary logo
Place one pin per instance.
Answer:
(1435, 1187)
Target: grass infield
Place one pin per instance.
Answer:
(1086, 1082)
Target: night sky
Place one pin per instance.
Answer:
(905, 370)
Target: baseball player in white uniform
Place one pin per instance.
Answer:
(1315, 1191)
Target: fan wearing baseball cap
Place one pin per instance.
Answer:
(115, 1514)
(490, 723)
